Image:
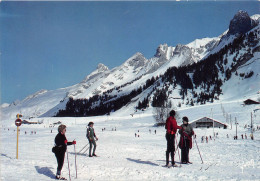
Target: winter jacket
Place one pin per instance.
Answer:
(171, 125)
(186, 134)
(60, 143)
(91, 133)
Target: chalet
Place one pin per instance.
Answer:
(206, 122)
(28, 122)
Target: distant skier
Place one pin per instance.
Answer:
(91, 138)
(207, 139)
(242, 136)
(171, 129)
(245, 136)
(227, 136)
(60, 149)
(154, 131)
(135, 134)
(251, 136)
(186, 140)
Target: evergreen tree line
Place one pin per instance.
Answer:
(101, 104)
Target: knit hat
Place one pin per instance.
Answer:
(185, 119)
(90, 123)
(61, 127)
(172, 113)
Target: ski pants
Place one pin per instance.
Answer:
(185, 151)
(60, 160)
(170, 147)
(92, 142)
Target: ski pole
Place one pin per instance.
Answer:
(199, 151)
(86, 150)
(178, 152)
(68, 164)
(83, 147)
(75, 159)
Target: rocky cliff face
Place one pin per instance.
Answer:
(241, 23)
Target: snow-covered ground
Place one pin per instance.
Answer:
(126, 157)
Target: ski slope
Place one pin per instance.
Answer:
(122, 156)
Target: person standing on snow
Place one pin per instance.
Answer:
(186, 140)
(60, 148)
(171, 129)
(91, 135)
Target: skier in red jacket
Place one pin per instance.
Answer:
(171, 129)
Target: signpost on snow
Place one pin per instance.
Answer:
(236, 123)
(18, 123)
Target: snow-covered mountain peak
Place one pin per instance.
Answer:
(256, 17)
(102, 68)
(164, 51)
(4, 105)
(36, 94)
(204, 42)
(137, 60)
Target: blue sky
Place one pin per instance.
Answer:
(50, 45)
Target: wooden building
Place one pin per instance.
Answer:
(206, 122)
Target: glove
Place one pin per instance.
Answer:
(74, 142)
(66, 141)
(96, 138)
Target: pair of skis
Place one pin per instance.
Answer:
(84, 149)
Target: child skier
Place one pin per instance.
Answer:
(91, 135)
(60, 148)
(186, 140)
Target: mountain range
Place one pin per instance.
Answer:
(206, 70)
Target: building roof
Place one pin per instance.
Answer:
(210, 119)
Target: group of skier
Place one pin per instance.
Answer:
(185, 143)
(61, 144)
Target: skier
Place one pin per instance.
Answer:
(154, 131)
(60, 149)
(91, 135)
(171, 129)
(242, 136)
(207, 139)
(186, 140)
(245, 136)
(251, 136)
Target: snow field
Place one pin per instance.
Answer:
(126, 157)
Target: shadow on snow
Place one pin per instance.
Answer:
(45, 171)
(142, 162)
